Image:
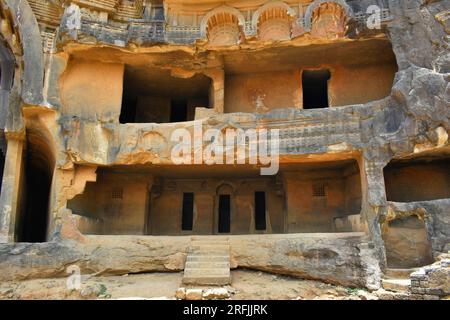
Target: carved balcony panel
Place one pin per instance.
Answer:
(147, 32)
(182, 34)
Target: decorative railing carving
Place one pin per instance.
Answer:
(182, 34)
(129, 22)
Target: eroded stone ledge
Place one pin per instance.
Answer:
(335, 258)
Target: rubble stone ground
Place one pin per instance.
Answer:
(247, 284)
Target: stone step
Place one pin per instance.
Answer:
(212, 277)
(207, 280)
(209, 238)
(207, 264)
(212, 252)
(208, 261)
(398, 273)
(207, 258)
(396, 285)
(206, 273)
(225, 247)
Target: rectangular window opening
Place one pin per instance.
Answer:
(153, 95)
(260, 210)
(315, 88)
(187, 218)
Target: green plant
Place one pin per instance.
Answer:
(352, 291)
(103, 292)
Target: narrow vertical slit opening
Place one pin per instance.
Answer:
(187, 219)
(260, 210)
(224, 213)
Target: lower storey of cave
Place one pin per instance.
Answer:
(308, 220)
(323, 197)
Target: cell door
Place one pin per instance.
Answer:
(224, 213)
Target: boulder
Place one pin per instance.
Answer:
(216, 293)
(194, 294)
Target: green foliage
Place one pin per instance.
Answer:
(352, 291)
(103, 293)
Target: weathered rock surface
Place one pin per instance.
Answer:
(436, 215)
(334, 258)
(102, 255)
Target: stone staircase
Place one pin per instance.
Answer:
(397, 280)
(208, 261)
(399, 273)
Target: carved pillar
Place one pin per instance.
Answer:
(10, 202)
(217, 90)
(373, 202)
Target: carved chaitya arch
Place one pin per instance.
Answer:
(222, 26)
(225, 188)
(33, 75)
(327, 18)
(273, 21)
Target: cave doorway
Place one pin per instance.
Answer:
(315, 88)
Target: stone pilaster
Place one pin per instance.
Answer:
(374, 203)
(10, 194)
(217, 92)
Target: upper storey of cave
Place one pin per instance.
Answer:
(211, 23)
